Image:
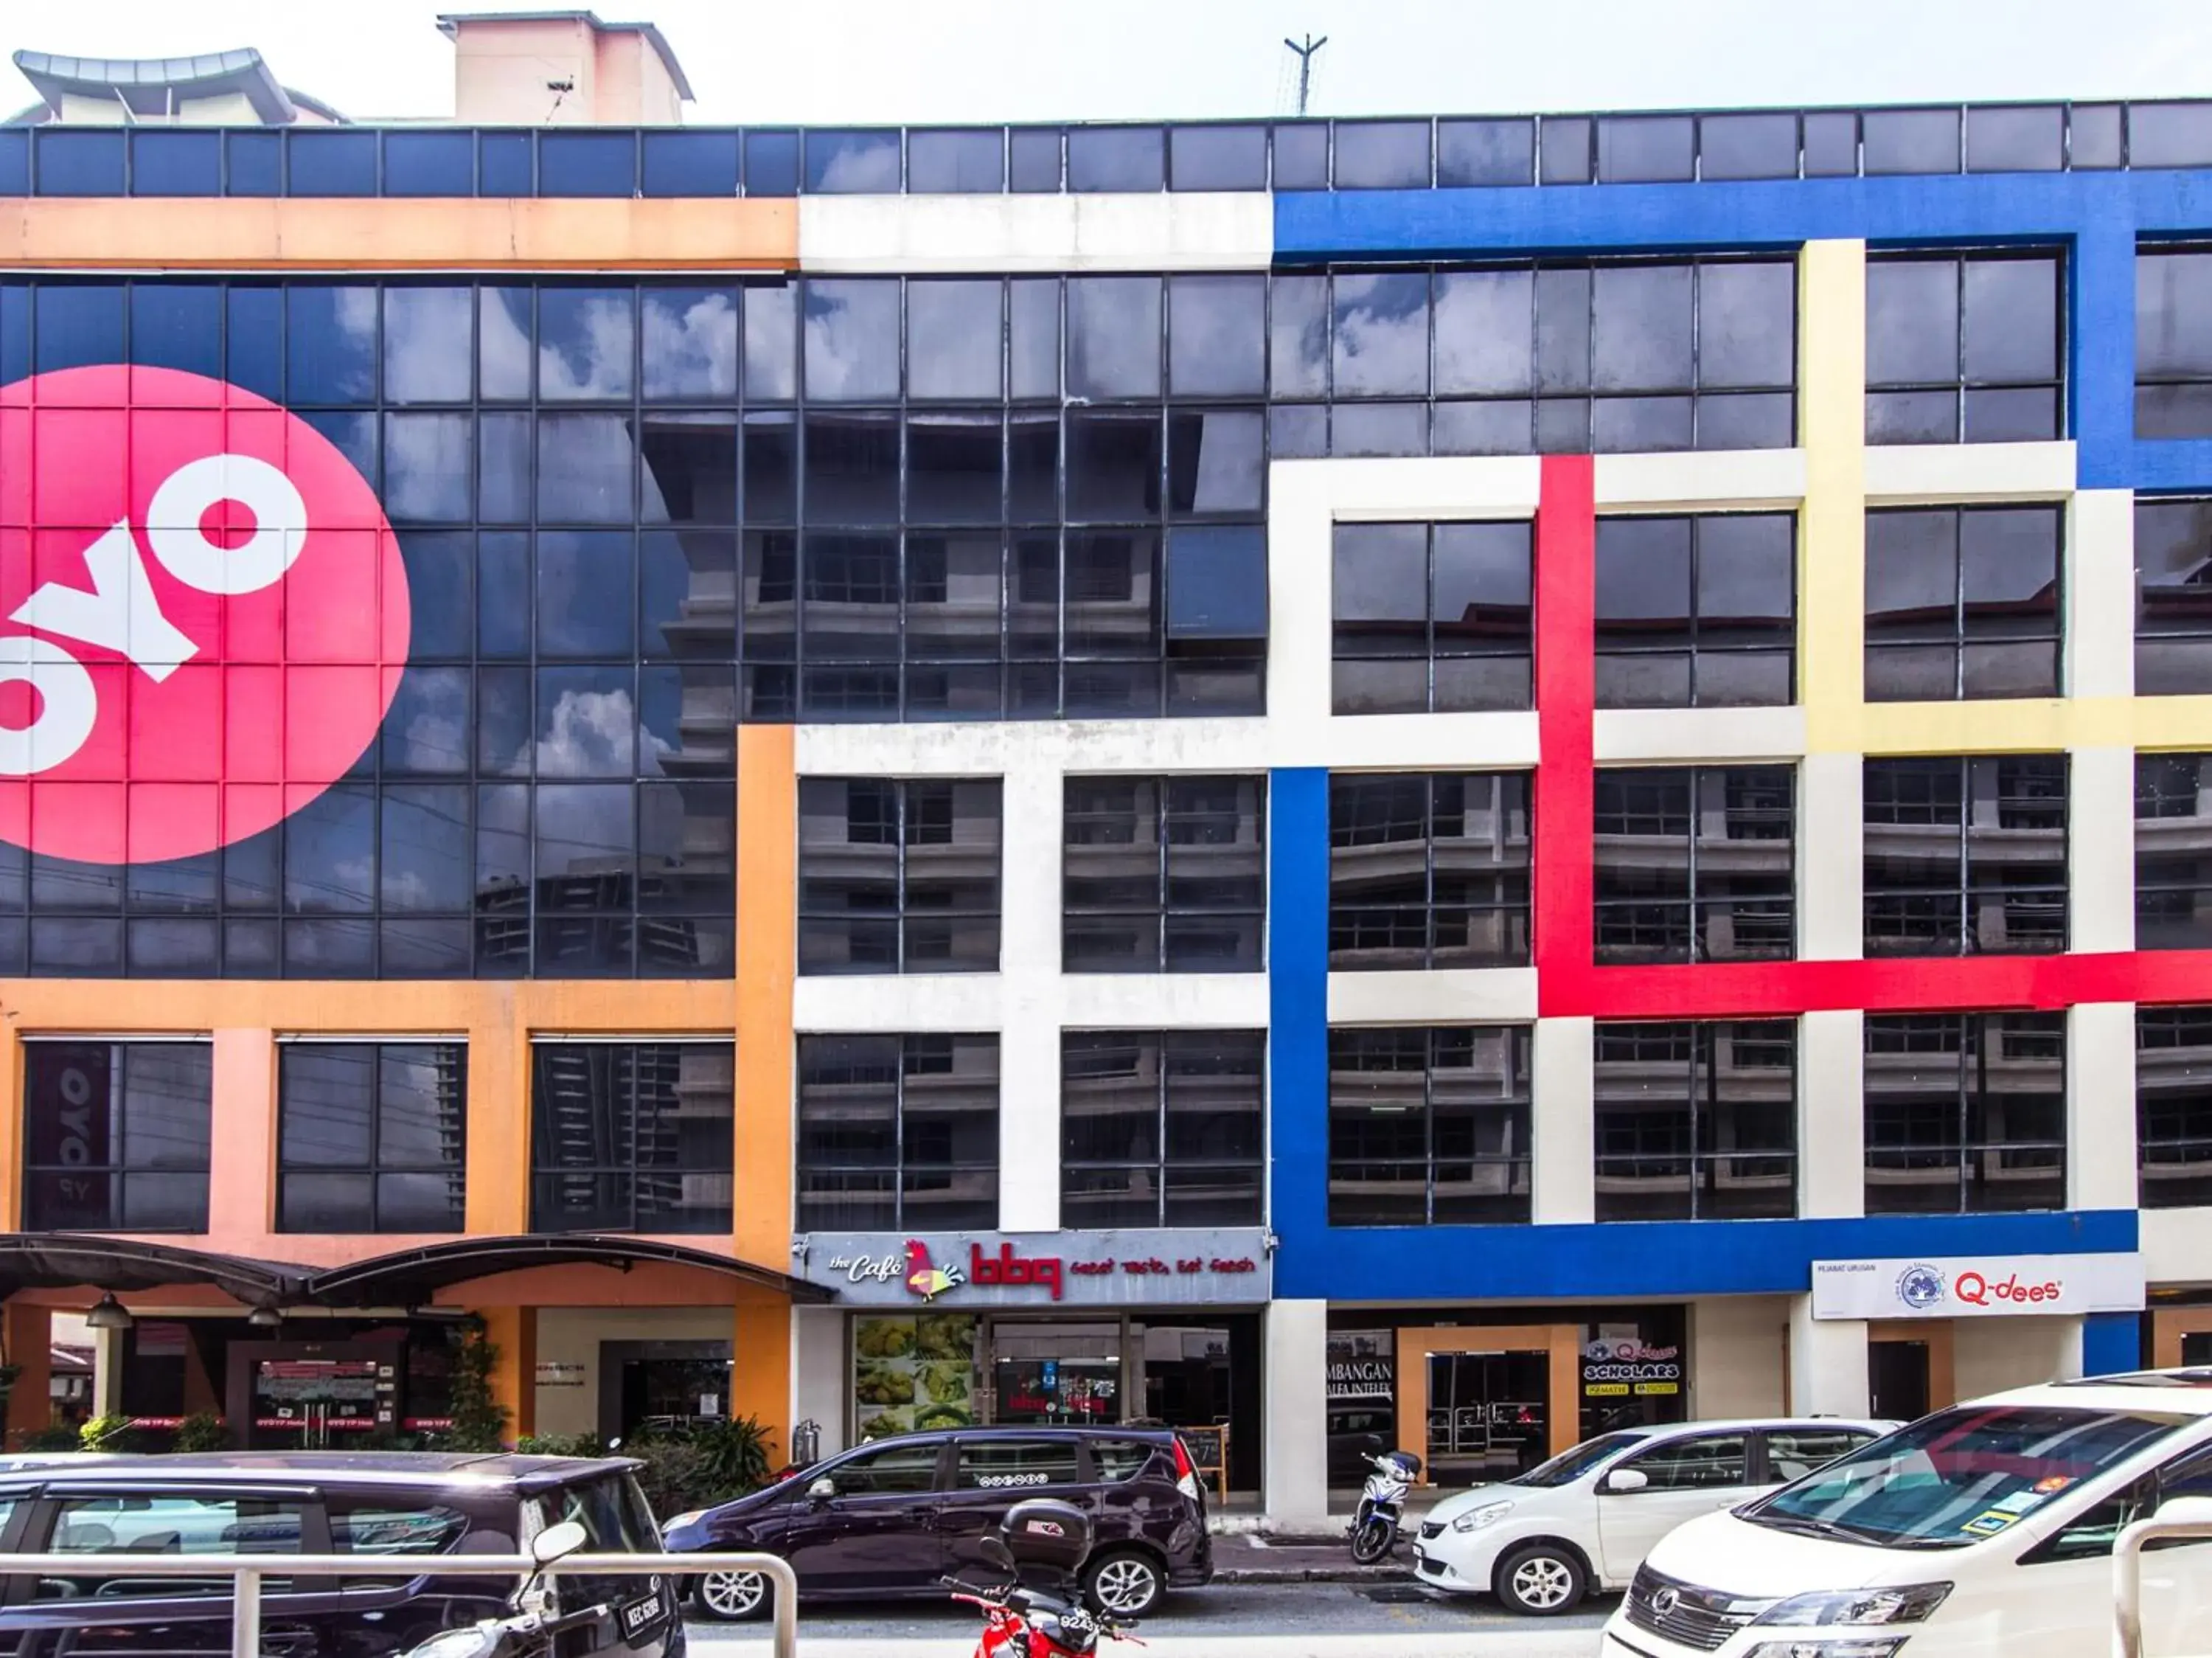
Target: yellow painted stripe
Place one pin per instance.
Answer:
(306, 233)
(2024, 725)
(1831, 530)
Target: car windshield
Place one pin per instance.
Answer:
(1571, 1465)
(1959, 1476)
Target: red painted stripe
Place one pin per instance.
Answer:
(1565, 625)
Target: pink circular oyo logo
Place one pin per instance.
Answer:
(204, 614)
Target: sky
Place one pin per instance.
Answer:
(866, 62)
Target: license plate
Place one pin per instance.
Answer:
(639, 1616)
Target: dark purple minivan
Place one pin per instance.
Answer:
(892, 1517)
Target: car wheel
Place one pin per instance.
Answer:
(734, 1596)
(1542, 1580)
(1124, 1582)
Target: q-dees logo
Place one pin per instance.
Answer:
(204, 614)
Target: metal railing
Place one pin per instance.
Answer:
(2184, 1517)
(246, 1571)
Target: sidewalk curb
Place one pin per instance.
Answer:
(1346, 1573)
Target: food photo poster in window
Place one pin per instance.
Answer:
(914, 1372)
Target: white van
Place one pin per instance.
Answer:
(1985, 1529)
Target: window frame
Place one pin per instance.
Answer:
(1166, 815)
(119, 1168)
(1518, 1108)
(2173, 1122)
(1163, 1165)
(1962, 385)
(1971, 1036)
(1344, 644)
(1899, 895)
(680, 1218)
(1704, 1166)
(373, 1167)
(2151, 384)
(1962, 638)
(806, 1162)
(901, 917)
(1692, 900)
(1688, 644)
(2193, 620)
(1509, 791)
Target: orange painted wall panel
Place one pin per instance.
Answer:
(768, 931)
(306, 233)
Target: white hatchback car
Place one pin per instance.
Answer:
(1586, 1518)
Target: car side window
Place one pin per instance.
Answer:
(95, 1539)
(1117, 1460)
(894, 1471)
(1793, 1453)
(1702, 1462)
(998, 1464)
(2090, 1534)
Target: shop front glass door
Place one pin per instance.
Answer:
(1488, 1415)
(1067, 1373)
(314, 1403)
(673, 1394)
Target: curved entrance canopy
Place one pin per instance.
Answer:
(61, 1260)
(406, 1278)
(412, 1277)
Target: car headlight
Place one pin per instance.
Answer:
(1475, 1519)
(1910, 1605)
(689, 1517)
(1871, 1646)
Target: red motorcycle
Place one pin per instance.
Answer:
(1040, 1541)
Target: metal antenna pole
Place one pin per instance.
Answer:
(1306, 56)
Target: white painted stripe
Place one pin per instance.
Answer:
(1563, 1122)
(1831, 868)
(1831, 1104)
(1193, 230)
(2101, 1098)
(1449, 997)
(1687, 735)
(1700, 480)
(2176, 1245)
(1903, 473)
(854, 1003)
(1123, 1002)
(2100, 850)
(2100, 595)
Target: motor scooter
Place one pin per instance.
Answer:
(1040, 1613)
(1382, 1505)
(526, 1633)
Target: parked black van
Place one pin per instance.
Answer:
(93, 1519)
(894, 1516)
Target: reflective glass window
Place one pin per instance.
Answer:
(1964, 349)
(1431, 618)
(330, 162)
(1761, 144)
(771, 163)
(1910, 140)
(697, 164)
(170, 162)
(254, 163)
(1428, 1125)
(1429, 870)
(116, 1134)
(1966, 856)
(1647, 150)
(1116, 158)
(898, 1131)
(1301, 155)
(1696, 611)
(2173, 1103)
(1381, 155)
(371, 1136)
(1963, 602)
(1162, 1128)
(2016, 140)
(1218, 158)
(2173, 342)
(1696, 1120)
(2169, 134)
(1965, 1114)
(942, 162)
(851, 163)
(631, 1136)
(1485, 153)
(430, 163)
(1033, 159)
(2174, 870)
(2173, 606)
(1694, 863)
(1164, 874)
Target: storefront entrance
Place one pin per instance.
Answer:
(1910, 1369)
(315, 1395)
(1484, 1403)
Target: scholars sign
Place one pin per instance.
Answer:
(1978, 1287)
(1198, 1266)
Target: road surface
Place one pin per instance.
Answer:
(1269, 1620)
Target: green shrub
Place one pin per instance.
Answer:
(202, 1431)
(108, 1433)
(560, 1445)
(57, 1436)
(702, 1463)
(479, 1420)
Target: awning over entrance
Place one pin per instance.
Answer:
(58, 1260)
(406, 1278)
(412, 1277)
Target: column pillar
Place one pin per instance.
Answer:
(1832, 1114)
(108, 1372)
(2100, 1105)
(2112, 1343)
(1294, 1400)
(760, 1368)
(1563, 1127)
(29, 1343)
(819, 1378)
(242, 1154)
(1827, 1363)
(514, 1331)
(1030, 973)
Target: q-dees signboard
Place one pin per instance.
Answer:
(204, 614)
(1978, 1287)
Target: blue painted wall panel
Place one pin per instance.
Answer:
(1662, 1257)
(2110, 1343)
(1298, 1002)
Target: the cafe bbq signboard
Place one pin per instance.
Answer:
(1198, 1266)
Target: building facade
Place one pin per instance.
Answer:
(1446, 780)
